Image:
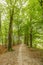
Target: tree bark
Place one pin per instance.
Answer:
(10, 30)
(31, 31)
(31, 37)
(0, 21)
(26, 38)
(0, 29)
(18, 36)
(0, 26)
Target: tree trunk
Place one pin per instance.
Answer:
(0, 29)
(18, 36)
(10, 30)
(0, 21)
(31, 37)
(26, 39)
(0, 26)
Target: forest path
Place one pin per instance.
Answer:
(21, 56)
(24, 57)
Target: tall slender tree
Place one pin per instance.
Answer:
(0, 25)
(10, 27)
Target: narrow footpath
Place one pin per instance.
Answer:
(20, 56)
(24, 57)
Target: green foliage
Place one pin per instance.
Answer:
(27, 15)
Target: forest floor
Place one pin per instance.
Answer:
(22, 55)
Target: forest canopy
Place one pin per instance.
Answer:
(21, 21)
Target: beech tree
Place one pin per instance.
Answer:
(21, 21)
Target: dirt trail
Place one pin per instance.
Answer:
(24, 57)
(20, 56)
